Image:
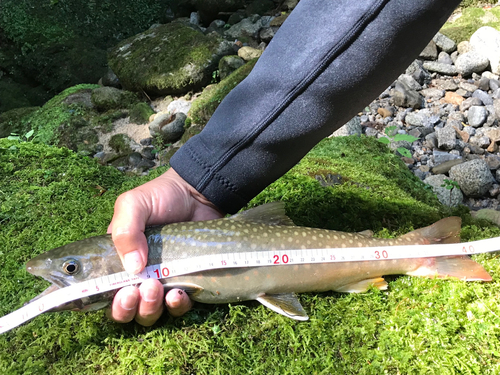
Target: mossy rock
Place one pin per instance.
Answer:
(140, 113)
(47, 120)
(120, 143)
(168, 59)
(51, 196)
(471, 20)
(14, 121)
(206, 104)
(107, 98)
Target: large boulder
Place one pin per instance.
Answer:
(168, 59)
(486, 41)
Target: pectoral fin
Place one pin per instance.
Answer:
(285, 304)
(363, 285)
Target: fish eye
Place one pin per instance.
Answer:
(70, 267)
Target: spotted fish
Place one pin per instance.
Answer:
(262, 228)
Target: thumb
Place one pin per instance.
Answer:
(127, 231)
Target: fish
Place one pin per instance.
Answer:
(263, 228)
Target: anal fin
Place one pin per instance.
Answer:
(285, 304)
(363, 285)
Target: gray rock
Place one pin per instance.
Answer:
(486, 40)
(497, 175)
(110, 79)
(440, 157)
(471, 62)
(409, 81)
(444, 43)
(463, 47)
(447, 139)
(444, 58)
(448, 197)
(467, 86)
(493, 162)
(229, 64)
(430, 51)
(445, 84)
(490, 75)
(266, 34)
(403, 96)
(134, 159)
(434, 66)
(464, 93)
(469, 102)
(416, 119)
(473, 177)
(432, 93)
(144, 165)
(352, 127)
(494, 84)
(418, 72)
(484, 83)
(483, 96)
(248, 27)
(476, 116)
(445, 167)
(169, 127)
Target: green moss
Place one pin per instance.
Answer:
(140, 62)
(472, 19)
(204, 107)
(51, 196)
(120, 143)
(140, 113)
(109, 98)
(47, 120)
(377, 190)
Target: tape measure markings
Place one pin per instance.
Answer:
(242, 259)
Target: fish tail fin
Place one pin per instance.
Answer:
(443, 231)
(460, 267)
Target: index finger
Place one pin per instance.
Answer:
(127, 231)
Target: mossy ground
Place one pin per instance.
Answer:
(51, 196)
(472, 19)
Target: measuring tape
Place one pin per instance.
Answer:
(236, 260)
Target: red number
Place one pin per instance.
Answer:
(284, 259)
(157, 273)
(224, 263)
(41, 307)
(384, 254)
(97, 288)
(165, 272)
(332, 257)
(470, 250)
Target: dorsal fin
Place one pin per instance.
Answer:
(269, 213)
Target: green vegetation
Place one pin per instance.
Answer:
(472, 19)
(140, 113)
(392, 136)
(50, 196)
(204, 107)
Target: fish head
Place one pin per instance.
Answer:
(74, 263)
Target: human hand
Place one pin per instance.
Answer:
(166, 199)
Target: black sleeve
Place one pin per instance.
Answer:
(328, 61)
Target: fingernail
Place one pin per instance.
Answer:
(129, 302)
(133, 262)
(151, 294)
